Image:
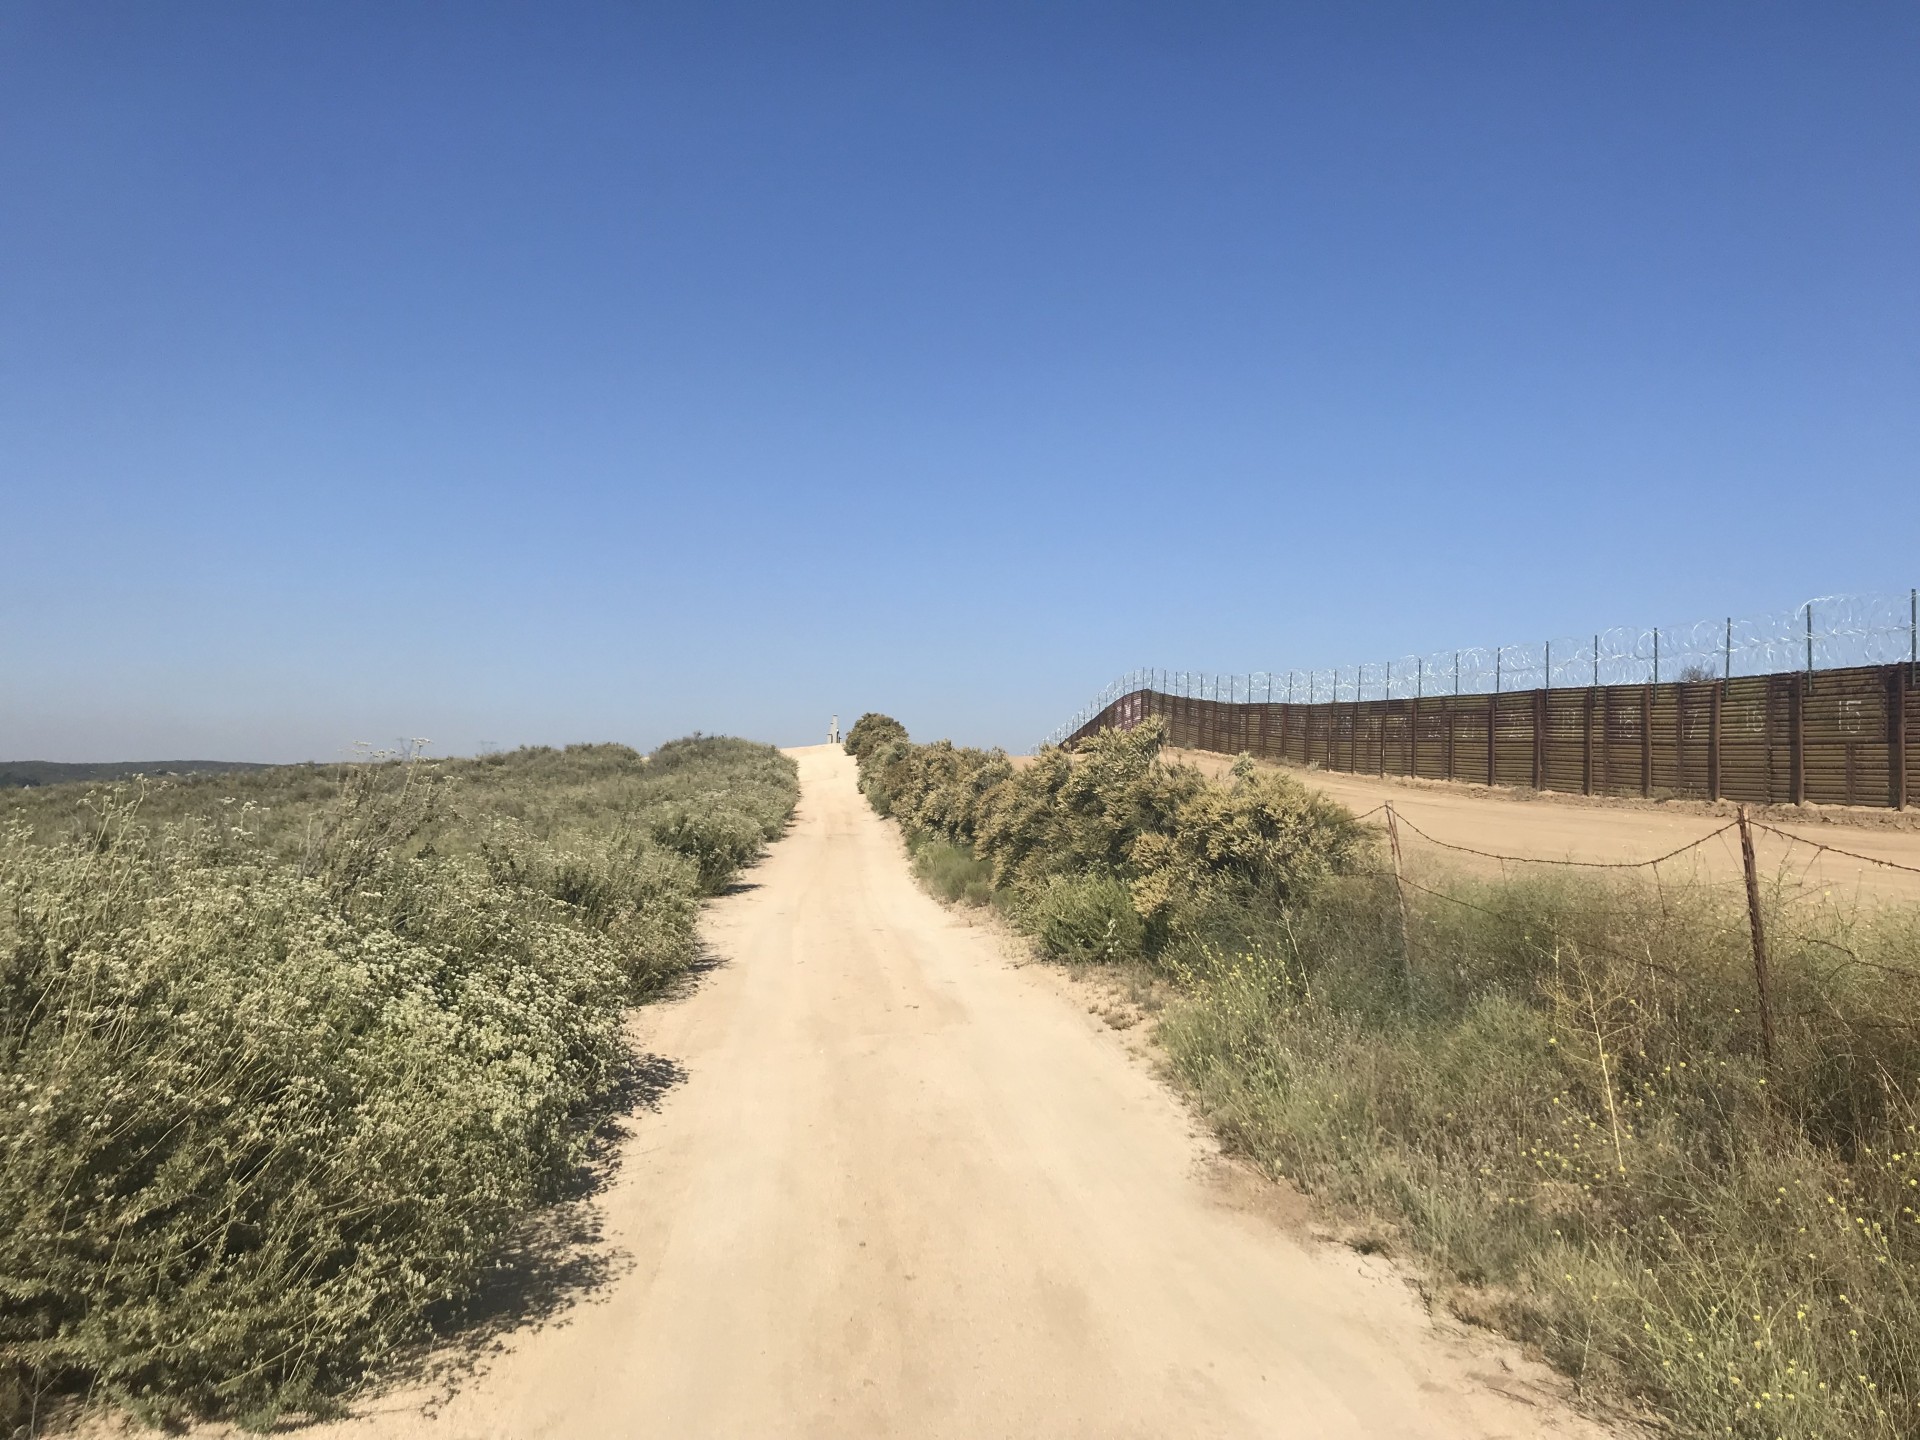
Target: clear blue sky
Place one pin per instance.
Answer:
(537, 373)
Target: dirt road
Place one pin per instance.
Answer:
(1550, 828)
(910, 1188)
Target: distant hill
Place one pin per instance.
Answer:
(18, 774)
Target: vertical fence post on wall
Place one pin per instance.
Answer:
(1586, 744)
(1596, 659)
(1897, 738)
(1386, 699)
(1809, 637)
(1540, 739)
(1656, 654)
(1714, 705)
(1496, 668)
(1493, 725)
(1727, 673)
(1456, 672)
(1419, 678)
(1646, 741)
(1797, 739)
(1757, 927)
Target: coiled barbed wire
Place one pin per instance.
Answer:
(1829, 632)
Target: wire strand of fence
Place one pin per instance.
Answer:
(1795, 934)
(1576, 864)
(1836, 850)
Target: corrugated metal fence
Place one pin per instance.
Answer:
(1836, 737)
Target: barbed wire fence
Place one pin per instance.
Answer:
(1773, 895)
(1829, 632)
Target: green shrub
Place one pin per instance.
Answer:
(952, 872)
(718, 842)
(254, 1130)
(870, 732)
(641, 896)
(1085, 918)
(285, 1055)
(1183, 848)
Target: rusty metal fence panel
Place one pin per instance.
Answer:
(1832, 737)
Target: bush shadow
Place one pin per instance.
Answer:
(559, 1258)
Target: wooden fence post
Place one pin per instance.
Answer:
(1400, 894)
(1762, 982)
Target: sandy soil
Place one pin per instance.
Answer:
(912, 1188)
(1507, 822)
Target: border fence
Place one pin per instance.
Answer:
(1829, 726)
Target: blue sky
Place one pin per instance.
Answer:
(504, 374)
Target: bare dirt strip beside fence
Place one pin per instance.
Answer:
(1485, 832)
(1832, 737)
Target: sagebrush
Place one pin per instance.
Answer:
(284, 1056)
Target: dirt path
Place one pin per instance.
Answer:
(1554, 829)
(909, 1188)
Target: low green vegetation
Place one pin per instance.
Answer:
(287, 1055)
(24, 773)
(953, 872)
(1550, 1090)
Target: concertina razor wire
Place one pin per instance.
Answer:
(1829, 632)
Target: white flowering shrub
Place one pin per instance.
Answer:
(274, 1085)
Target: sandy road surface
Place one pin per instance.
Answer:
(912, 1189)
(1550, 829)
